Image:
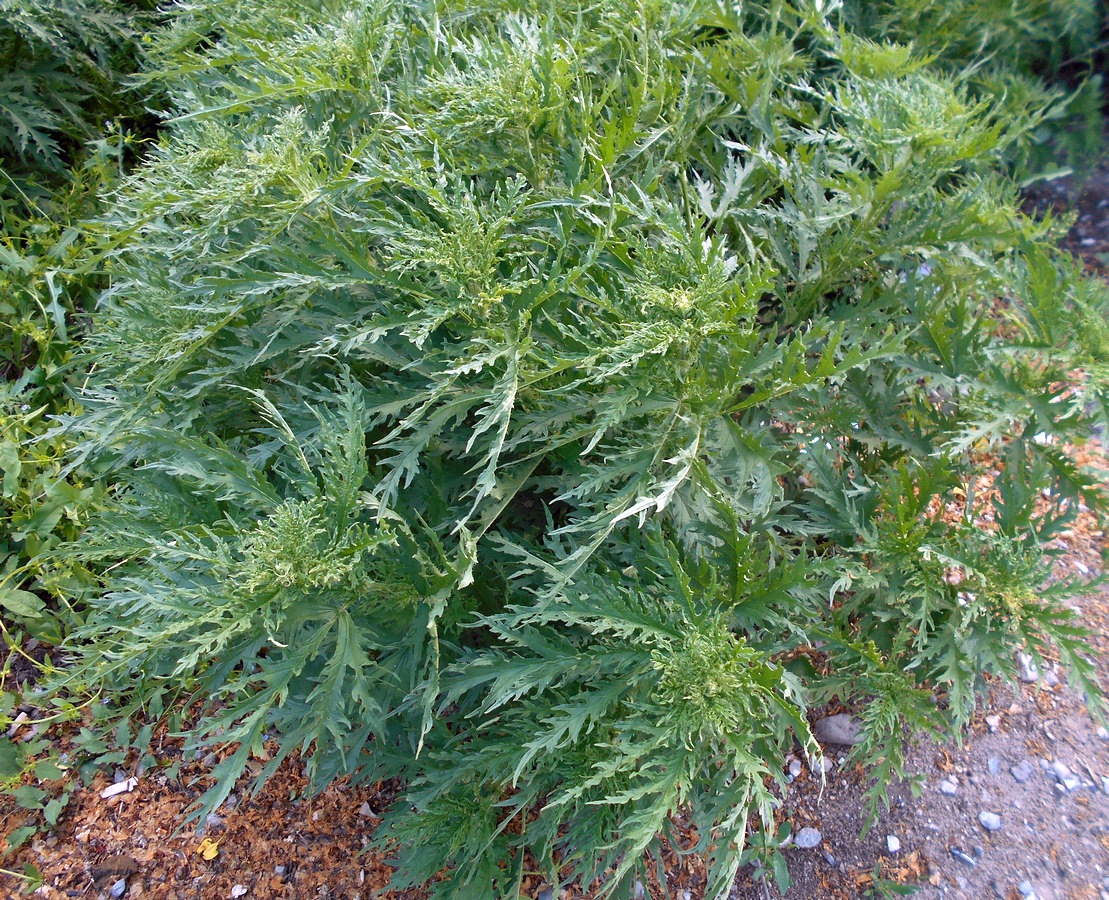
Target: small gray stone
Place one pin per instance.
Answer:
(1102, 732)
(212, 820)
(1022, 771)
(949, 787)
(994, 765)
(807, 838)
(1027, 670)
(118, 889)
(1026, 890)
(826, 764)
(545, 894)
(280, 870)
(1060, 771)
(795, 767)
(990, 821)
(962, 857)
(841, 729)
(893, 844)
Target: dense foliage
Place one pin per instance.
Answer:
(67, 121)
(549, 404)
(1013, 49)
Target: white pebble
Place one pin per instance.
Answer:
(990, 821)
(807, 838)
(892, 844)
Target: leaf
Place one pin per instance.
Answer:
(22, 604)
(11, 760)
(53, 810)
(47, 770)
(12, 465)
(208, 849)
(19, 837)
(28, 796)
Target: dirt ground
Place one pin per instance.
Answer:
(1034, 759)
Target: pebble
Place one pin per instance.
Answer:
(1059, 770)
(962, 857)
(994, 765)
(118, 889)
(826, 764)
(795, 768)
(842, 729)
(1102, 732)
(994, 723)
(212, 820)
(1022, 771)
(807, 838)
(990, 821)
(1027, 670)
(1026, 890)
(893, 844)
(949, 786)
(238, 891)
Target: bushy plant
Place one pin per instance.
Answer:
(1009, 50)
(63, 71)
(512, 398)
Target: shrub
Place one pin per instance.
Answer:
(1008, 50)
(62, 68)
(65, 129)
(515, 399)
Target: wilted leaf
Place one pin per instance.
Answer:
(208, 849)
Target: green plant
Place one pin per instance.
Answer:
(63, 64)
(48, 281)
(508, 398)
(1010, 50)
